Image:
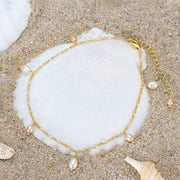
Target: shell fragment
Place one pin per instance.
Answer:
(6, 152)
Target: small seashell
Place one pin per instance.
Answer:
(6, 152)
(152, 85)
(146, 169)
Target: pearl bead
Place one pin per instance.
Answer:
(129, 138)
(170, 102)
(73, 164)
(152, 85)
(25, 70)
(72, 39)
(29, 130)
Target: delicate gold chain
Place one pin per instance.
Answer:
(135, 44)
(157, 67)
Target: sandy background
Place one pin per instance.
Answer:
(50, 24)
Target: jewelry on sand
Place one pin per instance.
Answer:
(128, 137)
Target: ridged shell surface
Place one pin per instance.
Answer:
(5, 151)
(14, 16)
(146, 169)
(85, 95)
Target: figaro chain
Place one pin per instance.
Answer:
(135, 44)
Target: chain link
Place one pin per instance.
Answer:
(157, 67)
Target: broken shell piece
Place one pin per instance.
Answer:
(14, 17)
(146, 169)
(6, 152)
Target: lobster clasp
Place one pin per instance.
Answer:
(134, 44)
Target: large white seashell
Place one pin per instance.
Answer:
(14, 16)
(146, 169)
(86, 95)
(6, 152)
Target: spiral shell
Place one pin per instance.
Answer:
(146, 169)
(6, 152)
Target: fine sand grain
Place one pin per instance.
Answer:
(50, 24)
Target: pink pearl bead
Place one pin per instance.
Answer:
(170, 102)
(29, 129)
(72, 39)
(129, 138)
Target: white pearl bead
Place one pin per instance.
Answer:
(152, 85)
(25, 70)
(73, 164)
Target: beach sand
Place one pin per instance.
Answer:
(50, 24)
